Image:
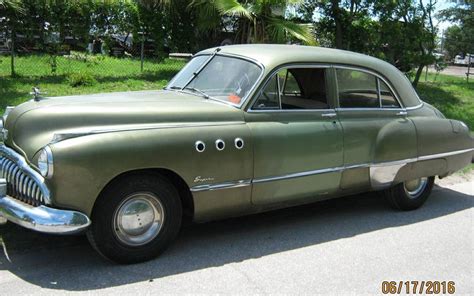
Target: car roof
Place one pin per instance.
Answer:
(268, 53)
(274, 55)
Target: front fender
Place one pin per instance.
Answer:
(83, 166)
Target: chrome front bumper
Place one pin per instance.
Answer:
(41, 218)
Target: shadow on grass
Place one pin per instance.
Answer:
(447, 102)
(433, 94)
(72, 265)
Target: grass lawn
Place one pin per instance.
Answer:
(453, 96)
(80, 75)
(467, 169)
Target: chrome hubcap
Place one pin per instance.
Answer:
(139, 219)
(414, 188)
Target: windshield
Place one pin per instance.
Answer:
(223, 78)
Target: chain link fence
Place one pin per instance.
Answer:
(67, 66)
(108, 56)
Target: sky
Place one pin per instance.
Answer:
(442, 4)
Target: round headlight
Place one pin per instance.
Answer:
(45, 162)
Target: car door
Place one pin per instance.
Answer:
(378, 137)
(296, 135)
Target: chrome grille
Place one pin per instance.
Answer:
(20, 185)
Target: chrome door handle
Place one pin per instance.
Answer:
(402, 113)
(329, 115)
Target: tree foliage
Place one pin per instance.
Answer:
(455, 41)
(164, 23)
(400, 32)
(459, 38)
(257, 21)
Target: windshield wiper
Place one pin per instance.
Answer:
(206, 96)
(195, 74)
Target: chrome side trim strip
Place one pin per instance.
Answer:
(392, 163)
(441, 155)
(291, 111)
(75, 133)
(369, 109)
(381, 174)
(415, 107)
(357, 166)
(226, 185)
(298, 175)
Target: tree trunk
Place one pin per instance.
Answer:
(336, 14)
(418, 75)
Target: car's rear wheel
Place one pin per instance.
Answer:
(135, 218)
(410, 195)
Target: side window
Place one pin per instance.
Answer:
(357, 89)
(269, 98)
(387, 97)
(293, 89)
(304, 88)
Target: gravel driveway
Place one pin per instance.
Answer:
(350, 245)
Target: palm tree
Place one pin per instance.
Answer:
(10, 4)
(257, 21)
(11, 9)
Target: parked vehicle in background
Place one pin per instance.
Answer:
(240, 129)
(464, 61)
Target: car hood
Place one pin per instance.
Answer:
(32, 125)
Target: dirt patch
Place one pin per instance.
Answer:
(456, 178)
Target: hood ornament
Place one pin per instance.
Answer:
(36, 92)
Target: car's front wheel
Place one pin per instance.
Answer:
(135, 218)
(409, 195)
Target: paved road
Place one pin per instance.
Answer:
(345, 246)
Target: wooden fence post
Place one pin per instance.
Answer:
(142, 54)
(13, 35)
(468, 69)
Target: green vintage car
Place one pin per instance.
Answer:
(241, 129)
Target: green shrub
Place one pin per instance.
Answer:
(81, 79)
